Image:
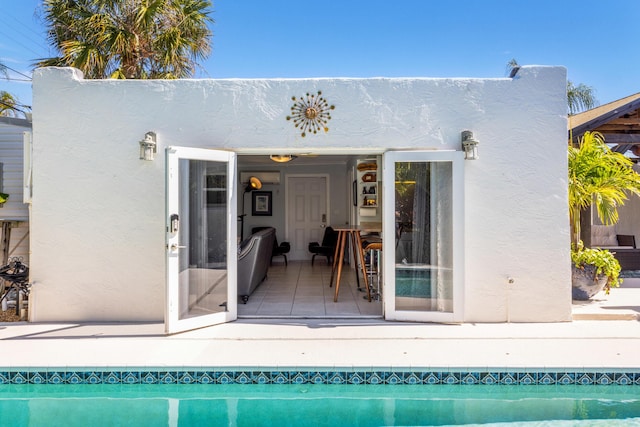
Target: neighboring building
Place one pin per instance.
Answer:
(118, 238)
(14, 213)
(619, 123)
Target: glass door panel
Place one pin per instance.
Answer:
(201, 252)
(423, 213)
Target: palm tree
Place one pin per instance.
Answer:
(133, 39)
(600, 177)
(579, 98)
(8, 104)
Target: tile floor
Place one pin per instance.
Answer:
(302, 290)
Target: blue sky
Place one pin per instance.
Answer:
(594, 39)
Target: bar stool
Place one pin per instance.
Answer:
(374, 249)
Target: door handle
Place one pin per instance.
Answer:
(175, 247)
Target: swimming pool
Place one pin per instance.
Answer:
(318, 405)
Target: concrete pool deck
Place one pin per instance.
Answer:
(606, 335)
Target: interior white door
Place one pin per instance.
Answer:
(201, 277)
(307, 212)
(423, 229)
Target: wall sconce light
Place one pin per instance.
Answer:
(469, 145)
(282, 158)
(148, 146)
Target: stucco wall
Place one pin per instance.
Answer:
(98, 211)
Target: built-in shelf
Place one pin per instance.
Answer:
(368, 189)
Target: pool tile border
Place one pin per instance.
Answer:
(58, 376)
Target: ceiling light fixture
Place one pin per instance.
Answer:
(282, 158)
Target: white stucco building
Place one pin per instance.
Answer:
(101, 235)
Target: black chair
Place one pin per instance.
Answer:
(328, 246)
(281, 249)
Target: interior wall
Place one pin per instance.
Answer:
(98, 211)
(339, 197)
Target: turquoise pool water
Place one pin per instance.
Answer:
(318, 405)
(414, 283)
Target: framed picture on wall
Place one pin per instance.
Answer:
(261, 203)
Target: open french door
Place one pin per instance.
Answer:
(423, 229)
(201, 282)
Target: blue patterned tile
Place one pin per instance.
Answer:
(566, 379)
(336, 378)
(74, 378)
(412, 378)
(205, 378)
(168, 377)
(112, 378)
(149, 378)
(38, 378)
(393, 378)
(21, 376)
(280, 378)
(450, 378)
(243, 378)
(355, 378)
(299, 377)
(374, 378)
(623, 379)
(431, 378)
(55, 377)
(318, 378)
(547, 379)
(526, 378)
(489, 378)
(470, 378)
(224, 378)
(508, 378)
(93, 378)
(18, 377)
(585, 379)
(604, 379)
(261, 378)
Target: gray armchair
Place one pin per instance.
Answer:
(254, 257)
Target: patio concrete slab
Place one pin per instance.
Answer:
(326, 344)
(340, 343)
(622, 303)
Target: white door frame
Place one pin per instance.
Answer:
(173, 322)
(389, 159)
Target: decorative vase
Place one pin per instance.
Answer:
(585, 283)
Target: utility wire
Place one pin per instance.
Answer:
(20, 28)
(13, 107)
(17, 72)
(11, 79)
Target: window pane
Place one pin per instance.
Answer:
(424, 252)
(203, 237)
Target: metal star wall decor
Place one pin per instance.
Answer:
(311, 113)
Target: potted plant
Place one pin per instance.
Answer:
(594, 269)
(600, 177)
